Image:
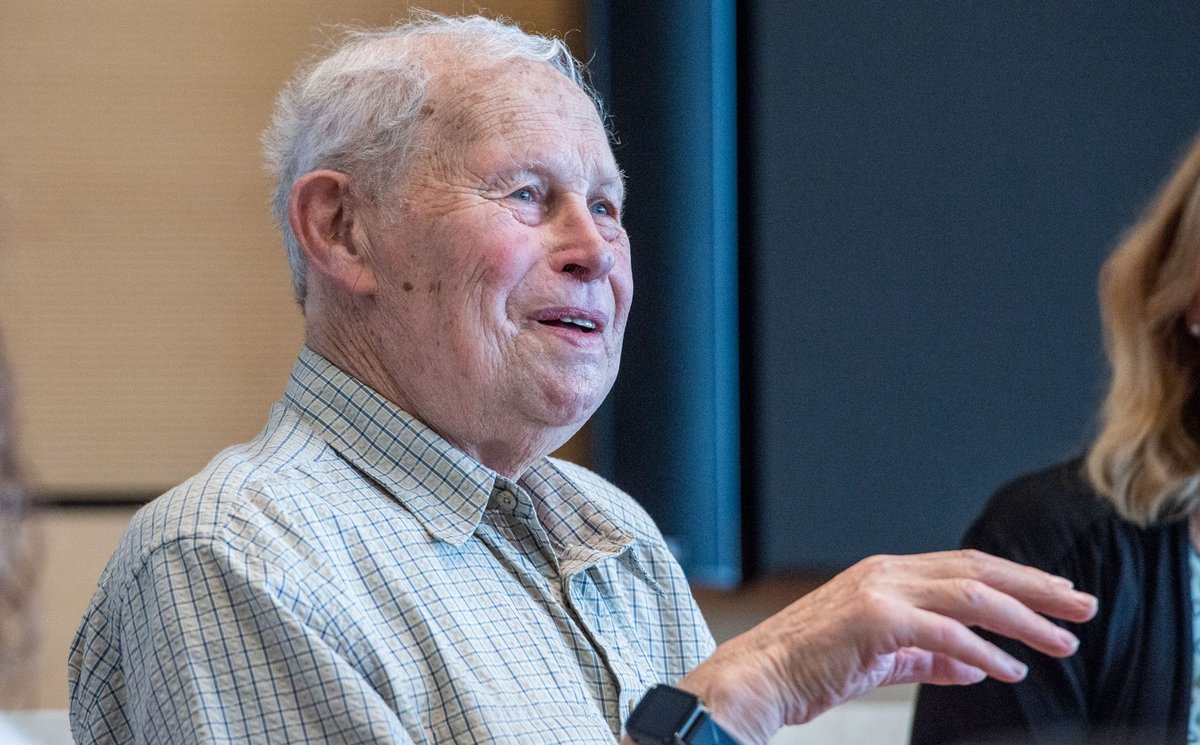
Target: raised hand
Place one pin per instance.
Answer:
(886, 620)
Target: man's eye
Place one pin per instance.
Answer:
(602, 208)
(524, 194)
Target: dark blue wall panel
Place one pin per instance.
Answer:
(669, 433)
(930, 188)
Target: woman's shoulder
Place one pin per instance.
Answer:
(1039, 516)
(1060, 492)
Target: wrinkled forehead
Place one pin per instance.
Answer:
(459, 72)
(513, 102)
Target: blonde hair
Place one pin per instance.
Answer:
(1146, 459)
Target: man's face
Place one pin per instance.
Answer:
(504, 272)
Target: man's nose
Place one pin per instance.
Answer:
(579, 248)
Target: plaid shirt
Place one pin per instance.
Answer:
(348, 576)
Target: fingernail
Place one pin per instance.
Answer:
(1069, 639)
(1018, 670)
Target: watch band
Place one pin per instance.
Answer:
(708, 732)
(670, 716)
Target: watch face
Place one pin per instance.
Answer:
(662, 714)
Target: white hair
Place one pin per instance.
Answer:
(357, 110)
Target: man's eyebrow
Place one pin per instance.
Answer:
(610, 182)
(513, 167)
(615, 187)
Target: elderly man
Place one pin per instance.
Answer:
(395, 558)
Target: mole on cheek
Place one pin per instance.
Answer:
(407, 286)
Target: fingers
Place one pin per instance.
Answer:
(902, 619)
(1043, 592)
(975, 603)
(1037, 590)
(943, 636)
(949, 592)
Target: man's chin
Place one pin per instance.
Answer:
(573, 398)
(569, 409)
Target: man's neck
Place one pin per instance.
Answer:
(509, 451)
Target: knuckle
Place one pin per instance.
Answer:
(975, 560)
(877, 605)
(868, 564)
(875, 565)
(971, 592)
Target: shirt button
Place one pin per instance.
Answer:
(506, 499)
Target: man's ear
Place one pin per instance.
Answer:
(322, 215)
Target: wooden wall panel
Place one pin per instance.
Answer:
(143, 294)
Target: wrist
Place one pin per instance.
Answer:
(741, 693)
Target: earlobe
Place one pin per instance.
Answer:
(322, 216)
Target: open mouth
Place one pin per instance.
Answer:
(575, 324)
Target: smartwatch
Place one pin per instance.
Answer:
(669, 716)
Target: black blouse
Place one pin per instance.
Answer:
(1131, 681)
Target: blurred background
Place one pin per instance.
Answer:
(865, 245)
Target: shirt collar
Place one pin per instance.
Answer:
(444, 488)
(582, 532)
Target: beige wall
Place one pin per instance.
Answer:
(75, 546)
(143, 294)
(144, 299)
